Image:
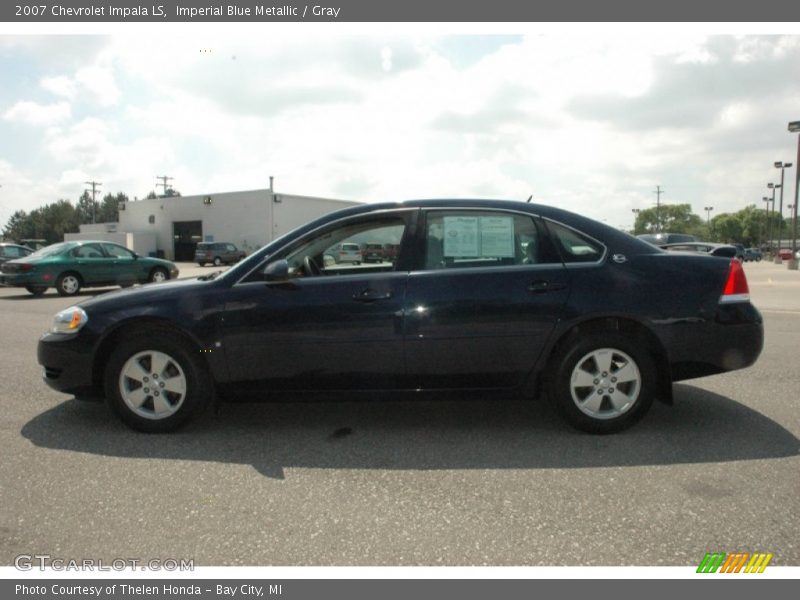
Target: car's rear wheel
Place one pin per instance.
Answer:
(36, 291)
(603, 382)
(158, 275)
(202, 264)
(68, 284)
(217, 261)
(155, 382)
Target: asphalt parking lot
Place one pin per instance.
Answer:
(489, 481)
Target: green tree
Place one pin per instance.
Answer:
(673, 218)
(727, 228)
(168, 193)
(86, 210)
(108, 210)
(19, 227)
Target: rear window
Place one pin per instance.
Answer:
(350, 247)
(574, 246)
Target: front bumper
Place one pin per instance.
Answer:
(66, 361)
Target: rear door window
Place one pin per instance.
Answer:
(458, 239)
(88, 251)
(574, 246)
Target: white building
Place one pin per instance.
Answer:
(173, 226)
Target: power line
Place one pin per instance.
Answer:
(658, 193)
(95, 185)
(164, 182)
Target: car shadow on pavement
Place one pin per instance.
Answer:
(425, 435)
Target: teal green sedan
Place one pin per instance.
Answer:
(70, 266)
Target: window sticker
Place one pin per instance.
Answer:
(479, 237)
(497, 237)
(461, 237)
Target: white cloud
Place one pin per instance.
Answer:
(33, 113)
(60, 86)
(591, 123)
(100, 83)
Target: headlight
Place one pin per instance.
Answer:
(69, 320)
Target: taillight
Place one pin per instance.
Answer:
(25, 267)
(736, 289)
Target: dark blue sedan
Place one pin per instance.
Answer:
(480, 295)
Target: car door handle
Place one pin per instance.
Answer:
(371, 296)
(541, 286)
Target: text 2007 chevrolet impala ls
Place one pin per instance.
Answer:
(488, 295)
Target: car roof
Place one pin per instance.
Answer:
(623, 241)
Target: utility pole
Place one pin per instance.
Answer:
(658, 193)
(164, 182)
(95, 185)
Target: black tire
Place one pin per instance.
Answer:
(202, 264)
(184, 364)
(36, 291)
(68, 284)
(217, 261)
(594, 408)
(155, 273)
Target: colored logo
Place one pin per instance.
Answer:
(737, 562)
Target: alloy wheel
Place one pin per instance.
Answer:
(605, 383)
(152, 384)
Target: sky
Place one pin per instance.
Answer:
(588, 122)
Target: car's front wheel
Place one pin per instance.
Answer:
(68, 284)
(158, 275)
(603, 382)
(155, 383)
(217, 261)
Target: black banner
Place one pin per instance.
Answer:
(370, 589)
(466, 11)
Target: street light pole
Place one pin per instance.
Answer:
(708, 210)
(772, 187)
(794, 127)
(782, 166)
(766, 224)
(635, 211)
(658, 193)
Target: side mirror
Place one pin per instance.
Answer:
(277, 271)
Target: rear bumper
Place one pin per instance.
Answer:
(19, 280)
(732, 340)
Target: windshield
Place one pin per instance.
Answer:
(52, 250)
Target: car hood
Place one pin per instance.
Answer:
(150, 293)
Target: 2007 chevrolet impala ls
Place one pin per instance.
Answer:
(490, 295)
